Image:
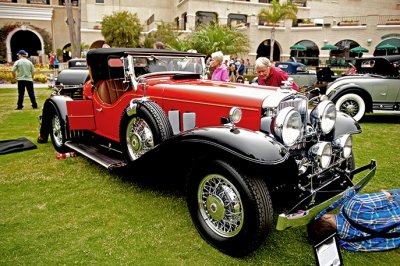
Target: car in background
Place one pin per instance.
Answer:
(375, 86)
(245, 150)
(70, 81)
(299, 72)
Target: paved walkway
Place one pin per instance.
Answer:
(36, 85)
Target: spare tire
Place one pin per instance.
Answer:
(143, 130)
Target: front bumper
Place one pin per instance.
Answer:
(304, 217)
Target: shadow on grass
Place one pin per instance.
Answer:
(158, 177)
(382, 118)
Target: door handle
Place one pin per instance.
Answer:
(99, 109)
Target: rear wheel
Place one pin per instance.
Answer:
(143, 130)
(231, 211)
(351, 104)
(57, 132)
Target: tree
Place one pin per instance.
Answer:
(74, 34)
(212, 37)
(277, 13)
(166, 33)
(121, 29)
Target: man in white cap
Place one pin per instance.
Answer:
(23, 70)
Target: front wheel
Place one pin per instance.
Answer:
(351, 104)
(231, 211)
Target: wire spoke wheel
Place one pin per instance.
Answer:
(351, 104)
(141, 132)
(231, 211)
(220, 205)
(139, 138)
(350, 107)
(57, 131)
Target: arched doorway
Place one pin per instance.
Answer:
(97, 44)
(66, 52)
(395, 41)
(26, 39)
(344, 49)
(264, 49)
(308, 57)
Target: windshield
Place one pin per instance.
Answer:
(153, 64)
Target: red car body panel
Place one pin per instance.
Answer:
(185, 96)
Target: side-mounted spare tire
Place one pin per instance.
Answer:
(143, 130)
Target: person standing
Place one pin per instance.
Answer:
(23, 70)
(247, 66)
(232, 72)
(269, 75)
(51, 60)
(220, 70)
(240, 67)
(56, 63)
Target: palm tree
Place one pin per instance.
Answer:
(212, 37)
(275, 14)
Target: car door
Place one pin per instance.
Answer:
(385, 90)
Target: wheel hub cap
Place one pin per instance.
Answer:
(350, 108)
(215, 207)
(136, 142)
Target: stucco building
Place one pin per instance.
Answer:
(40, 25)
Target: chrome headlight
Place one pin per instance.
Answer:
(322, 153)
(287, 126)
(235, 115)
(345, 143)
(323, 116)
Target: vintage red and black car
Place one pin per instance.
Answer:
(247, 151)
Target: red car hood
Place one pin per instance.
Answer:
(219, 93)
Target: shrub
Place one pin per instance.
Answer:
(42, 78)
(249, 77)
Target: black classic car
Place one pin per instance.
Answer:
(246, 151)
(374, 86)
(72, 79)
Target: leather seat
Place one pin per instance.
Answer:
(110, 90)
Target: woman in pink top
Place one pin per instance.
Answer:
(221, 72)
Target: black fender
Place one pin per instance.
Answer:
(247, 146)
(335, 94)
(254, 152)
(58, 103)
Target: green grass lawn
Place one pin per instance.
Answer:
(74, 211)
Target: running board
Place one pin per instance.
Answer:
(108, 158)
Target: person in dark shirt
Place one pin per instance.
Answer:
(241, 67)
